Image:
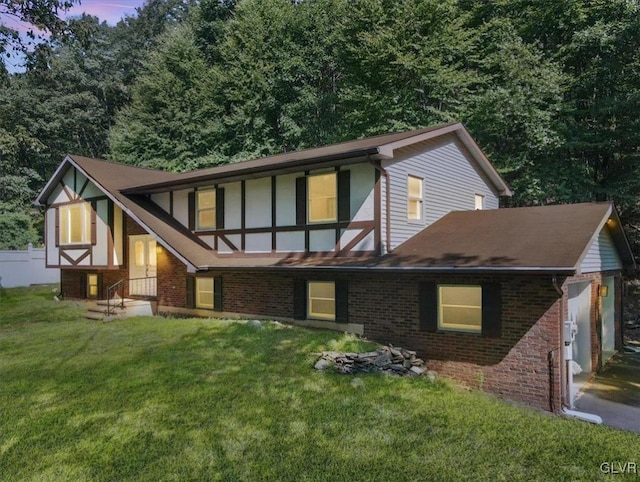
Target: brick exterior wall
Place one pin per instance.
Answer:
(524, 364)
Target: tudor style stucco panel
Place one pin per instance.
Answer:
(286, 200)
(258, 243)
(451, 180)
(118, 239)
(232, 205)
(162, 199)
(362, 183)
(50, 237)
(258, 203)
(322, 240)
(292, 242)
(100, 250)
(181, 206)
(602, 255)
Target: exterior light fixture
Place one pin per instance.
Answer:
(603, 291)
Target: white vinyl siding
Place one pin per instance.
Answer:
(451, 178)
(602, 255)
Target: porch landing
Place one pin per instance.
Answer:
(97, 310)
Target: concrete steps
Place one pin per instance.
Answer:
(97, 310)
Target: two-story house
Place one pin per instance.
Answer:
(396, 237)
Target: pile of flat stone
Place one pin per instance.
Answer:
(388, 359)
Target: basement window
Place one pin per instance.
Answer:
(321, 300)
(204, 293)
(460, 308)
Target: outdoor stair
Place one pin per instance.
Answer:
(97, 310)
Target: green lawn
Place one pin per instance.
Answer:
(193, 399)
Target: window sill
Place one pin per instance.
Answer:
(75, 245)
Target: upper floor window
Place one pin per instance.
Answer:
(414, 198)
(322, 198)
(479, 201)
(75, 223)
(460, 308)
(206, 209)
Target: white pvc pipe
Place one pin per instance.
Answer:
(586, 417)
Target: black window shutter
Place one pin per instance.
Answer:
(299, 299)
(57, 226)
(94, 233)
(301, 201)
(100, 287)
(342, 301)
(191, 292)
(192, 210)
(491, 323)
(217, 293)
(83, 285)
(428, 306)
(344, 195)
(220, 208)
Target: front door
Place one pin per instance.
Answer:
(142, 265)
(580, 312)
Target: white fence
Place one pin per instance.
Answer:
(24, 268)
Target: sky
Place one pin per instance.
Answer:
(106, 10)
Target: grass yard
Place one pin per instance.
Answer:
(193, 399)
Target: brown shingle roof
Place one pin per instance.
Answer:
(546, 237)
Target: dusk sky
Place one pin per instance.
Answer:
(108, 10)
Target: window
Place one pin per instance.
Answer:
(321, 300)
(460, 308)
(414, 198)
(92, 286)
(204, 293)
(479, 200)
(206, 209)
(75, 223)
(322, 198)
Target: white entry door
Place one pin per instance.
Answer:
(143, 266)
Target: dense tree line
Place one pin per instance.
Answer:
(551, 90)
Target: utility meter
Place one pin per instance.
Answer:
(570, 330)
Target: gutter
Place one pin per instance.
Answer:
(399, 269)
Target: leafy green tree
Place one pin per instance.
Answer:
(42, 15)
(171, 121)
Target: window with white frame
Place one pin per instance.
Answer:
(75, 223)
(479, 201)
(322, 196)
(321, 300)
(414, 198)
(204, 293)
(460, 308)
(206, 209)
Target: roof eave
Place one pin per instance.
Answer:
(237, 174)
(562, 270)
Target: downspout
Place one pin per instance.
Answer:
(387, 221)
(586, 417)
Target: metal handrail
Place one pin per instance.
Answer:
(110, 289)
